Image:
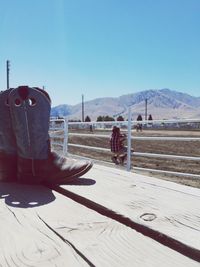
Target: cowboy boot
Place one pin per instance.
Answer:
(8, 152)
(30, 112)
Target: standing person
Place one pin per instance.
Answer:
(139, 125)
(117, 146)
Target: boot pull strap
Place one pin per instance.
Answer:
(23, 92)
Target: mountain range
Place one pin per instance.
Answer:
(161, 104)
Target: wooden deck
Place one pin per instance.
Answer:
(108, 217)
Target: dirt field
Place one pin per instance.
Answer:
(186, 148)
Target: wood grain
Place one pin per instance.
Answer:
(40, 227)
(169, 208)
(24, 238)
(105, 242)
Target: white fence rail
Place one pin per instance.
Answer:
(59, 130)
(154, 138)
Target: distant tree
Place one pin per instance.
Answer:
(139, 118)
(120, 118)
(87, 119)
(74, 120)
(150, 117)
(99, 118)
(105, 118)
(108, 118)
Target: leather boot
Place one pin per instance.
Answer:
(30, 112)
(8, 153)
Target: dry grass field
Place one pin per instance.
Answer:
(184, 148)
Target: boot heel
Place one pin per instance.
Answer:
(8, 167)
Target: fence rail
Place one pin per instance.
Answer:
(154, 138)
(57, 133)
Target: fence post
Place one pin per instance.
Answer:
(128, 166)
(65, 144)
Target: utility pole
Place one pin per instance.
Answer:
(82, 108)
(7, 72)
(145, 109)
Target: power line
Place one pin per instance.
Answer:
(7, 72)
(83, 108)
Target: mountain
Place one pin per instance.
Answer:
(161, 104)
(61, 110)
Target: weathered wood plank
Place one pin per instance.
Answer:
(43, 228)
(24, 238)
(106, 242)
(164, 206)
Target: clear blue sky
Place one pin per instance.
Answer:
(100, 48)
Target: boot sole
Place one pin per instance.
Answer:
(70, 178)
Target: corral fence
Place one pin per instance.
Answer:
(60, 132)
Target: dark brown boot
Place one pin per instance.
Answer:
(30, 112)
(8, 149)
(55, 169)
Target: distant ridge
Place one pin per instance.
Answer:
(162, 104)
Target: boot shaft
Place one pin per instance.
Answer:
(7, 137)
(30, 113)
(8, 149)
